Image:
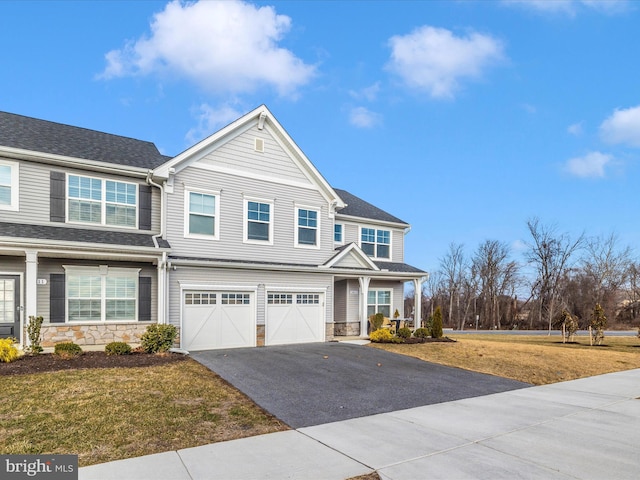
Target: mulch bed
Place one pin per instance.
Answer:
(428, 340)
(48, 362)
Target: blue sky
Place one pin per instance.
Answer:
(462, 118)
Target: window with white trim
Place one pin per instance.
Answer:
(202, 210)
(92, 200)
(337, 233)
(98, 294)
(375, 243)
(9, 186)
(379, 301)
(307, 229)
(259, 221)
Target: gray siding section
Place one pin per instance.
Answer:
(233, 190)
(352, 235)
(353, 301)
(340, 301)
(239, 154)
(226, 278)
(48, 266)
(35, 185)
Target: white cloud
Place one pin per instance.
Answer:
(363, 118)
(592, 165)
(575, 129)
(529, 108)
(229, 46)
(435, 60)
(210, 120)
(571, 7)
(369, 93)
(622, 127)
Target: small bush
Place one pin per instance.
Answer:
(382, 335)
(33, 332)
(376, 321)
(67, 349)
(436, 326)
(158, 338)
(117, 348)
(404, 332)
(8, 351)
(421, 333)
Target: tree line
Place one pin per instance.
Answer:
(559, 275)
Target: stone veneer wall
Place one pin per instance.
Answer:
(347, 329)
(93, 334)
(329, 331)
(260, 335)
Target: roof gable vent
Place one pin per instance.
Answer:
(259, 145)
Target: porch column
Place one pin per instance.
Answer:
(417, 314)
(30, 289)
(364, 292)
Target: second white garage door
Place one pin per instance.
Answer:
(215, 319)
(294, 318)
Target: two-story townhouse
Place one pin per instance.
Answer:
(79, 224)
(238, 241)
(264, 251)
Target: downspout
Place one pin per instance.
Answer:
(162, 207)
(163, 303)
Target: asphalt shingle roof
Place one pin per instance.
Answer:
(82, 235)
(398, 267)
(356, 207)
(33, 134)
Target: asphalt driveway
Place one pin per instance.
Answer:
(316, 383)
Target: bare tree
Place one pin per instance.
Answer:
(607, 266)
(452, 266)
(496, 273)
(550, 254)
(469, 293)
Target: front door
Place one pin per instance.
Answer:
(10, 306)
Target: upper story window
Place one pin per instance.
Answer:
(202, 211)
(337, 233)
(9, 184)
(376, 243)
(307, 229)
(92, 200)
(258, 221)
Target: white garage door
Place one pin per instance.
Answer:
(216, 319)
(294, 318)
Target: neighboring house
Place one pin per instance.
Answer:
(238, 241)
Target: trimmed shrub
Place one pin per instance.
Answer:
(436, 326)
(376, 321)
(158, 338)
(404, 332)
(67, 349)
(117, 348)
(421, 333)
(33, 332)
(382, 335)
(8, 351)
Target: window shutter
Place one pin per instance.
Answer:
(56, 297)
(144, 207)
(57, 196)
(144, 299)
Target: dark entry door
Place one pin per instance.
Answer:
(10, 306)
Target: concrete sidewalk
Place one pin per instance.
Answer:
(584, 429)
